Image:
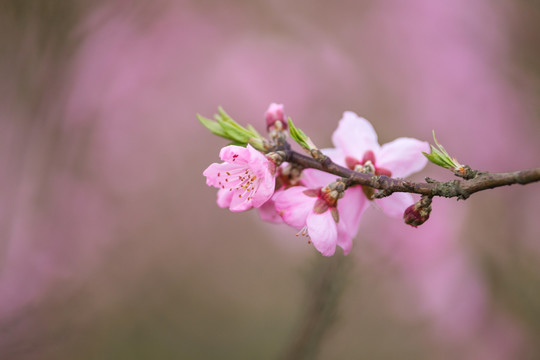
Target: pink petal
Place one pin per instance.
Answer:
(224, 197)
(403, 156)
(264, 170)
(255, 157)
(275, 113)
(395, 204)
(335, 154)
(235, 154)
(355, 135)
(239, 203)
(322, 230)
(314, 179)
(266, 188)
(212, 171)
(350, 207)
(268, 212)
(294, 206)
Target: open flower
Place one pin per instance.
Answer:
(358, 149)
(317, 213)
(245, 179)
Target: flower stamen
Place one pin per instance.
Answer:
(303, 232)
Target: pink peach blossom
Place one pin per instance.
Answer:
(358, 149)
(326, 223)
(245, 179)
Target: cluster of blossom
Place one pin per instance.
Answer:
(320, 206)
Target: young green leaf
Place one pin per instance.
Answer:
(213, 126)
(441, 157)
(254, 131)
(226, 127)
(237, 133)
(300, 137)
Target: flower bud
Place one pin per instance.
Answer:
(418, 213)
(274, 114)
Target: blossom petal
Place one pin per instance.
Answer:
(322, 230)
(255, 156)
(239, 203)
(214, 171)
(403, 156)
(224, 197)
(264, 170)
(317, 179)
(395, 204)
(294, 206)
(355, 135)
(268, 212)
(350, 208)
(235, 154)
(335, 154)
(266, 188)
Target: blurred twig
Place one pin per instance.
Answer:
(514, 281)
(325, 284)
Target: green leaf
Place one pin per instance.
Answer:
(300, 137)
(236, 133)
(213, 126)
(254, 131)
(229, 120)
(441, 157)
(257, 143)
(436, 159)
(226, 127)
(224, 115)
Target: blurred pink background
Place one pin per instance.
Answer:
(112, 246)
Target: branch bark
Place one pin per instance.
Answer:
(460, 189)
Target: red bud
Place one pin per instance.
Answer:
(418, 213)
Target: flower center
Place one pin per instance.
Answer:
(288, 176)
(366, 165)
(241, 180)
(326, 200)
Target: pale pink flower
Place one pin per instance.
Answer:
(245, 179)
(357, 148)
(309, 209)
(275, 113)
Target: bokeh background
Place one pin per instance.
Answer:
(112, 246)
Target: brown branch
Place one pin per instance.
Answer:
(461, 189)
